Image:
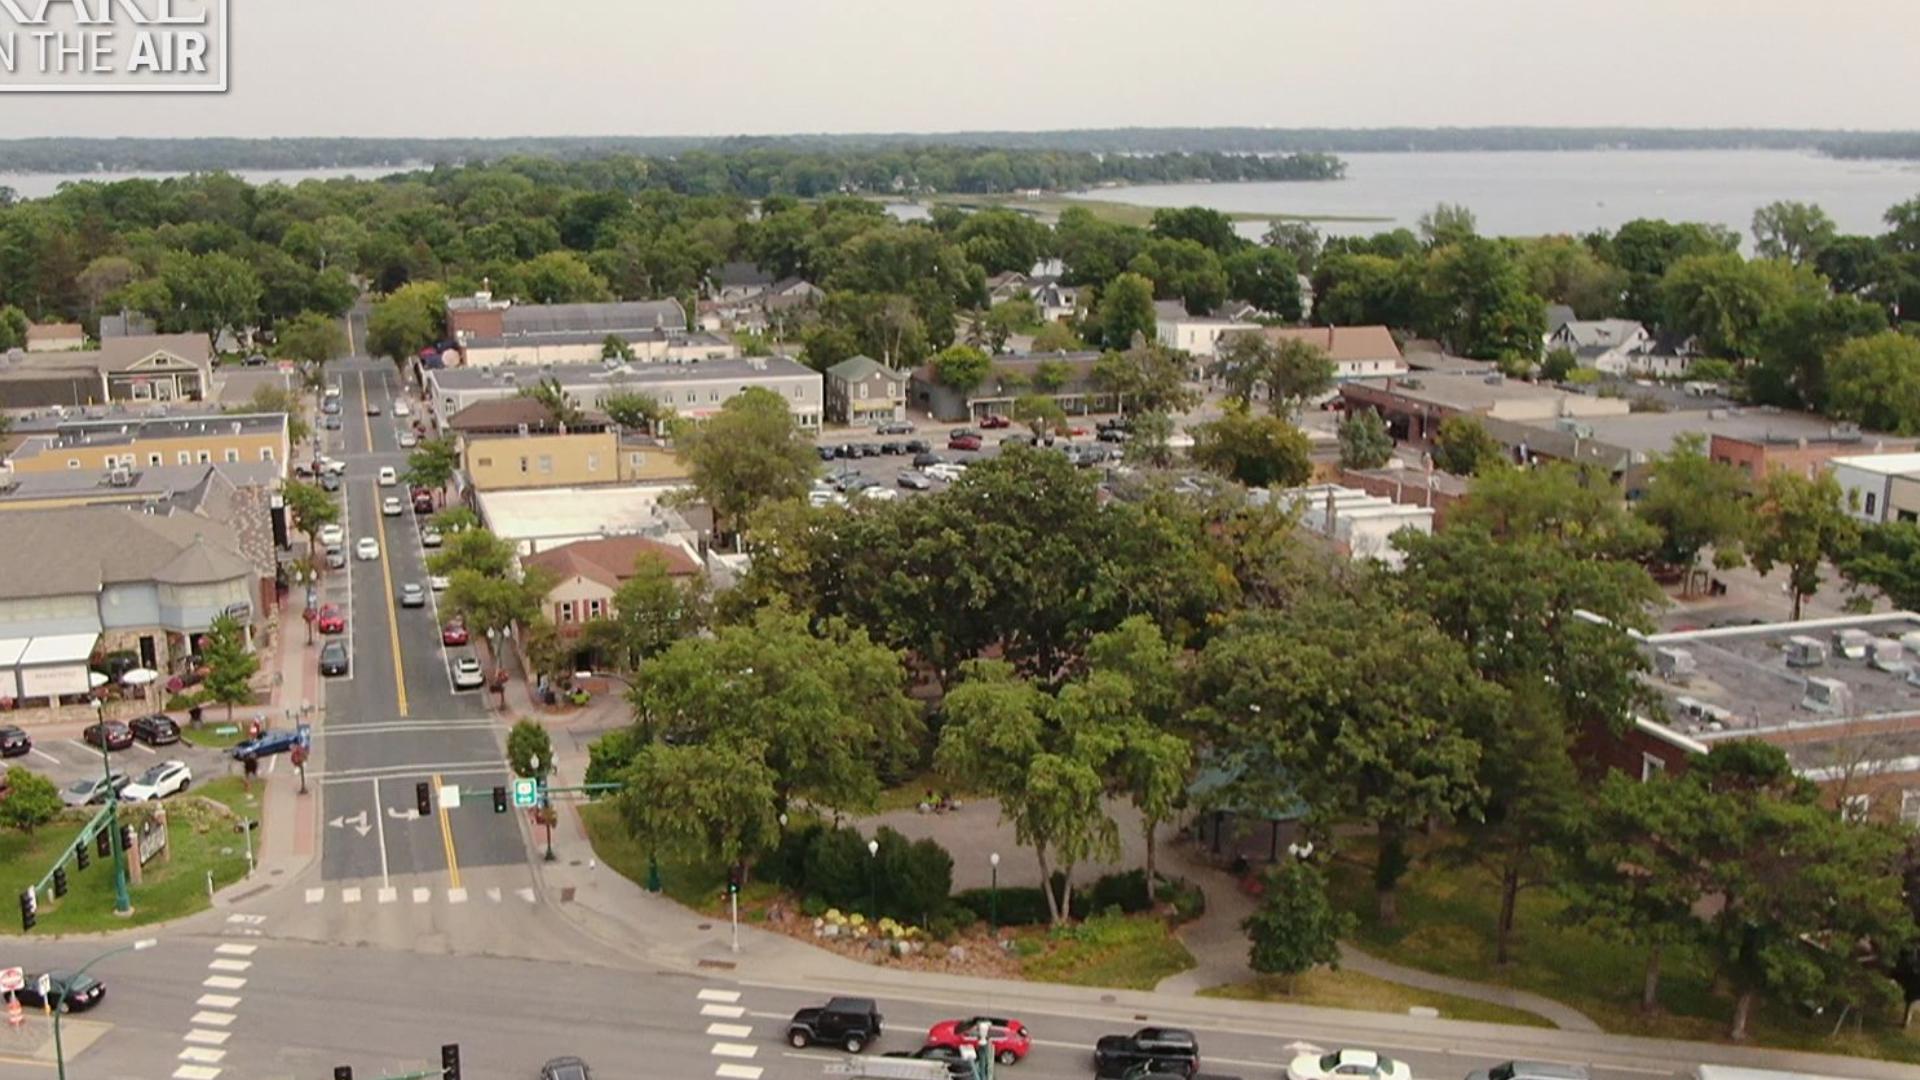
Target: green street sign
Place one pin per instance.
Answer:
(526, 793)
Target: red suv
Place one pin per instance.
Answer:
(995, 420)
(964, 442)
(455, 632)
(1009, 1037)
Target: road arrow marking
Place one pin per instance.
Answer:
(409, 814)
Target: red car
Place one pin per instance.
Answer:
(1010, 1038)
(454, 633)
(964, 442)
(118, 736)
(995, 420)
(331, 620)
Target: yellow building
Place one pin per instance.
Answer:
(103, 446)
(569, 459)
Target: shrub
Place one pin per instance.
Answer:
(836, 867)
(179, 703)
(1126, 891)
(1186, 899)
(812, 906)
(609, 755)
(950, 920)
(1023, 906)
(913, 878)
(787, 863)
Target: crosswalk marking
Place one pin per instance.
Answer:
(349, 896)
(493, 894)
(230, 949)
(217, 1001)
(421, 894)
(739, 1072)
(203, 1055)
(195, 1072)
(314, 896)
(456, 896)
(729, 1031)
(223, 982)
(735, 1050)
(728, 996)
(525, 894)
(247, 920)
(731, 1012)
(230, 965)
(213, 1019)
(211, 1038)
(389, 894)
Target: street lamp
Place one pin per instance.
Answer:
(993, 894)
(60, 1000)
(873, 882)
(122, 903)
(546, 802)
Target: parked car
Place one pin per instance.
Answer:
(268, 744)
(914, 481)
(160, 781)
(947, 471)
(438, 582)
(961, 432)
(1112, 435)
(924, 458)
(1009, 1038)
(390, 506)
(408, 440)
(851, 1023)
(412, 595)
(388, 476)
(1531, 1070)
(331, 423)
(336, 557)
(74, 993)
(116, 735)
(92, 790)
(430, 537)
(373, 408)
(1113, 1055)
(366, 549)
(995, 420)
(157, 729)
(333, 658)
(894, 427)
(565, 1068)
(422, 500)
(331, 620)
(330, 481)
(331, 405)
(827, 453)
(455, 632)
(331, 534)
(964, 442)
(1347, 1064)
(891, 449)
(14, 742)
(400, 409)
(467, 674)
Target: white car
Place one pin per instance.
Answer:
(400, 409)
(430, 537)
(437, 582)
(408, 440)
(366, 549)
(329, 465)
(879, 494)
(388, 477)
(948, 471)
(390, 506)
(1348, 1064)
(467, 674)
(164, 779)
(332, 535)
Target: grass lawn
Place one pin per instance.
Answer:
(1353, 990)
(1447, 917)
(1130, 952)
(693, 885)
(214, 734)
(200, 839)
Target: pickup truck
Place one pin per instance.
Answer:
(1114, 1055)
(850, 1023)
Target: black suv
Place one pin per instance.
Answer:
(155, 730)
(14, 741)
(1173, 1051)
(847, 1022)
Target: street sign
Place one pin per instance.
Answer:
(12, 979)
(45, 986)
(305, 734)
(526, 793)
(449, 796)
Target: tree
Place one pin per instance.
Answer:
(1474, 297)
(1019, 315)
(1577, 507)
(824, 712)
(1258, 451)
(1132, 689)
(1887, 558)
(433, 463)
(1040, 412)
(310, 338)
(1050, 375)
(614, 347)
(560, 405)
(1125, 312)
(746, 456)
(635, 411)
(1182, 270)
(1463, 447)
(1291, 371)
(961, 367)
(1794, 231)
(1798, 523)
(527, 742)
(410, 319)
(713, 802)
(13, 328)
(280, 399)
(1796, 341)
(1268, 278)
(1298, 238)
(1296, 927)
(651, 611)
(32, 800)
(1562, 270)
(230, 664)
(1364, 441)
(1148, 440)
(1448, 223)
(1875, 382)
(1057, 337)
(474, 550)
(1360, 709)
(494, 604)
(312, 508)
(1146, 378)
(1723, 300)
(1559, 364)
(1210, 229)
(1696, 503)
(560, 277)
(216, 291)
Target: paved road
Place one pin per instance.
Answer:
(396, 720)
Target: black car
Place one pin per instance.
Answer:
(892, 449)
(333, 658)
(917, 446)
(1112, 435)
(925, 458)
(1175, 1048)
(850, 1023)
(116, 735)
(14, 742)
(74, 993)
(155, 730)
(828, 453)
(565, 1068)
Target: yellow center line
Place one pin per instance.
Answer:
(446, 834)
(386, 573)
(366, 422)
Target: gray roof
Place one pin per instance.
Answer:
(1654, 432)
(1601, 333)
(624, 317)
(119, 354)
(132, 429)
(125, 324)
(637, 375)
(856, 367)
(595, 337)
(151, 482)
(1558, 315)
(81, 549)
(743, 273)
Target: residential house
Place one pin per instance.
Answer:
(1357, 352)
(1619, 347)
(102, 446)
(587, 574)
(155, 368)
(1065, 377)
(692, 389)
(1880, 487)
(735, 282)
(1057, 301)
(863, 391)
(55, 337)
(1195, 335)
(1006, 286)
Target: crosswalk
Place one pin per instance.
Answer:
(419, 894)
(733, 1054)
(205, 1042)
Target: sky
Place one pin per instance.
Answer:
(718, 67)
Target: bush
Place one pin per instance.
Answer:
(836, 867)
(1185, 897)
(609, 755)
(1024, 906)
(1126, 891)
(787, 864)
(813, 907)
(179, 703)
(913, 878)
(950, 920)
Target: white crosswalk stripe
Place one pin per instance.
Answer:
(211, 1038)
(422, 894)
(729, 1031)
(222, 982)
(195, 1072)
(217, 1001)
(728, 996)
(731, 1012)
(739, 1072)
(456, 896)
(203, 1055)
(734, 1050)
(389, 894)
(314, 896)
(231, 949)
(213, 1019)
(230, 965)
(349, 896)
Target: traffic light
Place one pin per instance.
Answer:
(81, 855)
(500, 799)
(29, 908)
(59, 882)
(343, 1072)
(450, 1061)
(126, 838)
(422, 798)
(102, 843)
(733, 879)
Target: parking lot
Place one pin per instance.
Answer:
(64, 760)
(882, 470)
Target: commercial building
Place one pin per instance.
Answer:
(863, 391)
(587, 573)
(1065, 377)
(1425, 488)
(1196, 335)
(102, 446)
(692, 389)
(1415, 406)
(536, 519)
(1357, 352)
(156, 367)
(1360, 525)
(567, 459)
(55, 337)
(494, 333)
(1880, 487)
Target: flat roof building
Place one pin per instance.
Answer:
(1415, 406)
(692, 389)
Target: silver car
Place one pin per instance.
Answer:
(412, 595)
(87, 792)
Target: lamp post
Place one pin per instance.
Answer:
(873, 881)
(993, 894)
(60, 1000)
(546, 802)
(122, 903)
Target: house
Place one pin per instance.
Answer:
(1357, 352)
(861, 391)
(587, 574)
(151, 368)
(1558, 315)
(1196, 335)
(1005, 286)
(87, 580)
(1065, 377)
(693, 389)
(734, 282)
(1057, 301)
(102, 446)
(1880, 487)
(1620, 347)
(55, 337)
(789, 294)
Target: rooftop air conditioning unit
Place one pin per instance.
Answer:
(1888, 655)
(1829, 696)
(120, 477)
(1675, 665)
(1804, 651)
(1852, 643)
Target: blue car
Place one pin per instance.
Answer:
(272, 742)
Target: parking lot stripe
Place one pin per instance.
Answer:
(44, 754)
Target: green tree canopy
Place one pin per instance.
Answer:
(651, 611)
(230, 664)
(1258, 451)
(1364, 441)
(1296, 927)
(527, 742)
(749, 454)
(1125, 312)
(1463, 447)
(1875, 382)
(1696, 503)
(311, 338)
(1799, 523)
(410, 319)
(961, 367)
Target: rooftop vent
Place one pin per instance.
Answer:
(1804, 651)
(1675, 665)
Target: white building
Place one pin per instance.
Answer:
(1195, 335)
(692, 389)
(1360, 524)
(1618, 347)
(1880, 487)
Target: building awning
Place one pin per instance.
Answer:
(11, 650)
(58, 649)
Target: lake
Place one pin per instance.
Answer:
(1530, 193)
(40, 185)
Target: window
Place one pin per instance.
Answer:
(637, 460)
(153, 459)
(204, 457)
(523, 465)
(483, 462)
(233, 456)
(566, 611)
(593, 609)
(1856, 807)
(1652, 765)
(73, 463)
(691, 397)
(546, 463)
(593, 462)
(1870, 497)
(713, 395)
(185, 458)
(1910, 807)
(266, 453)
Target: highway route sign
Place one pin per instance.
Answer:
(526, 793)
